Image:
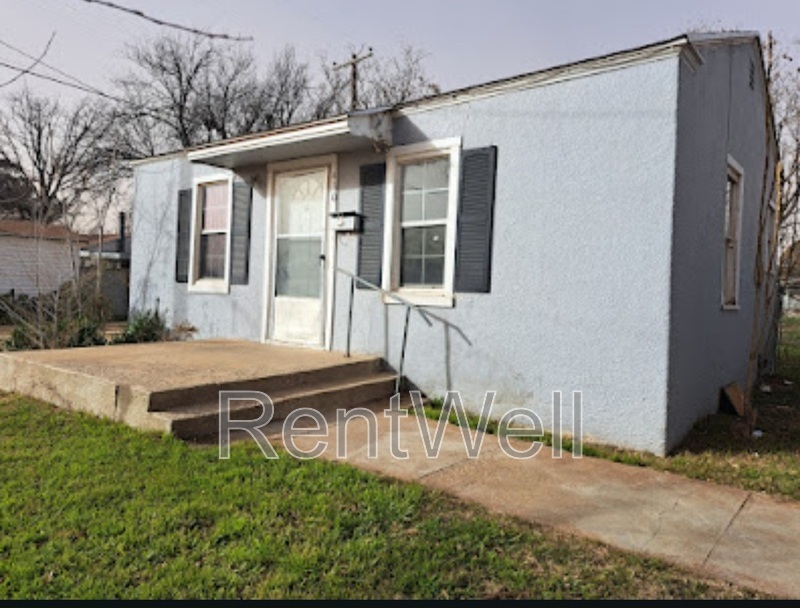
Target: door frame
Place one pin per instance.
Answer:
(329, 163)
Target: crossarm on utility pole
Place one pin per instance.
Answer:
(355, 59)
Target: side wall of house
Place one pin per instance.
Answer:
(581, 256)
(237, 314)
(720, 114)
(30, 266)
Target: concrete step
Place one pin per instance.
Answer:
(201, 420)
(170, 399)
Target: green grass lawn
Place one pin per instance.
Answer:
(92, 509)
(713, 451)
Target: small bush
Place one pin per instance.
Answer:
(9, 304)
(74, 315)
(145, 326)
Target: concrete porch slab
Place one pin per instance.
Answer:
(129, 382)
(164, 365)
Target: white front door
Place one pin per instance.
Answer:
(298, 302)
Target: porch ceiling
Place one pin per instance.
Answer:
(356, 131)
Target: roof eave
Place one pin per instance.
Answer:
(360, 130)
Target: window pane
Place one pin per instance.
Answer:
(215, 206)
(301, 203)
(412, 241)
(433, 271)
(434, 240)
(423, 256)
(212, 256)
(731, 208)
(437, 173)
(411, 271)
(436, 205)
(412, 207)
(299, 272)
(731, 254)
(413, 176)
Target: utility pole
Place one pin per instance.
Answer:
(355, 59)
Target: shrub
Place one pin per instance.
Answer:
(144, 326)
(74, 315)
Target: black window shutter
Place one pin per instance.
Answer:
(183, 240)
(370, 251)
(475, 218)
(240, 233)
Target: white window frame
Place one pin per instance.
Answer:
(397, 157)
(735, 172)
(768, 238)
(216, 285)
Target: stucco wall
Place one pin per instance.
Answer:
(580, 285)
(30, 266)
(719, 114)
(155, 219)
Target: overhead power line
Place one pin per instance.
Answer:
(80, 87)
(36, 61)
(51, 67)
(163, 23)
(85, 88)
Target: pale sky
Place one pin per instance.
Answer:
(467, 41)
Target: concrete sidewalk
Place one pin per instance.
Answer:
(743, 537)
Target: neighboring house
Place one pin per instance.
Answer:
(590, 227)
(36, 258)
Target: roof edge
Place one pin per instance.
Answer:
(573, 69)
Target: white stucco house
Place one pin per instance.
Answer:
(36, 258)
(592, 227)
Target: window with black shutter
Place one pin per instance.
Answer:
(184, 236)
(240, 233)
(476, 220)
(441, 217)
(373, 200)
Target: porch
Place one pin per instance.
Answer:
(174, 387)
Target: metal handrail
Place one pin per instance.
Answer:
(427, 316)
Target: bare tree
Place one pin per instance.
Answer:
(230, 96)
(15, 191)
(184, 91)
(784, 81)
(330, 96)
(393, 80)
(164, 88)
(237, 100)
(288, 86)
(56, 152)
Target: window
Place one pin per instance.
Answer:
(209, 264)
(406, 234)
(423, 211)
(422, 196)
(730, 273)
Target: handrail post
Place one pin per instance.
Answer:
(350, 315)
(402, 352)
